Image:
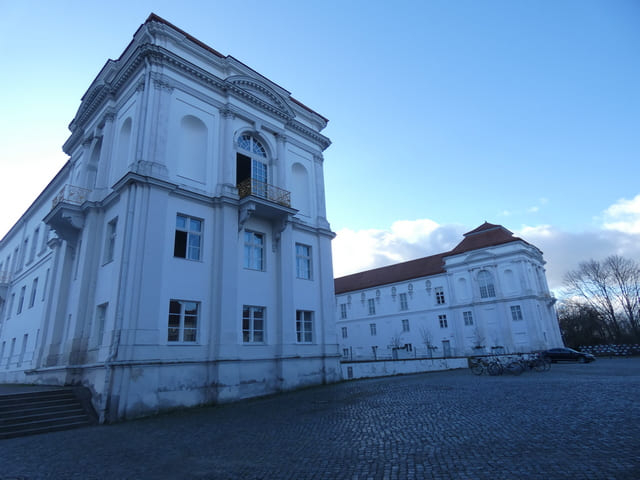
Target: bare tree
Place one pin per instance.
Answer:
(478, 339)
(395, 344)
(625, 274)
(427, 339)
(611, 289)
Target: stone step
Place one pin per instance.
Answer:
(44, 411)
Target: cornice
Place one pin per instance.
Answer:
(251, 90)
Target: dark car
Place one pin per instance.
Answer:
(567, 355)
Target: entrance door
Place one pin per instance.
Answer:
(446, 348)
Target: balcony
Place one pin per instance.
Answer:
(66, 216)
(254, 187)
(70, 194)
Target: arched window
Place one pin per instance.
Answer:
(251, 165)
(251, 160)
(485, 281)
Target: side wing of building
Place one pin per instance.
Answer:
(485, 300)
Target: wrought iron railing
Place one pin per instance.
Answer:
(71, 194)
(251, 186)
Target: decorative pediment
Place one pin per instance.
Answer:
(262, 93)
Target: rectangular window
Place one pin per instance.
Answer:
(34, 288)
(183, 321)
(443, 321)
(304, 326)
(404, 305)
(101, 316)
(253, 324)
(439, 295)
(405, 325)
(23, 292)
(45, 238)
(34, 245)
(23, 253)
(372, 328)
(372, 306)
(343, 311)
(303, 261)
(188, 238)
(468, 318)
(25, 339)
(110, 241)
(13, 297)
(253, 250)
(15, 260)
(345, 352)
(516, 313)
(344, 332)
(46, 284)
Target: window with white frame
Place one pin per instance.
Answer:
(183, 321)
(187, 243)
(372, 329)
(404, 305)
(485, 282)
(468, 318)
(345, 352)
(253, 250)
(516, 313)
(443, 321)
(439, 295)
(405, 325)
(344, 332)
(372, 306)
(34, 288)
(23, 292)
(303, 261)
(253, 323)
(304, 326)
(110, 240)
(343, 311)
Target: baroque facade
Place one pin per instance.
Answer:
(182, 255)
(487, 295)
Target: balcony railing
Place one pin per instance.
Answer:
(254, 187)
(71, 194)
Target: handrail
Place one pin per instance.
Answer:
(254, 187)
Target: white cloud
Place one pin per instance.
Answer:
(624, 216)
(358, 250)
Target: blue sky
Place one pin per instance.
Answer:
(442, 114)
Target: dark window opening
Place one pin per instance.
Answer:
(180, 244)
(243, 168)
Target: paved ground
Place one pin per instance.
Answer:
(574, 422)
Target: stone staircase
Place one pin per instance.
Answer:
(41, 411)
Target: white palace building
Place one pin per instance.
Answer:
(182, 255)
(487, 295)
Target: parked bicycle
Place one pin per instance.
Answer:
(480, 365)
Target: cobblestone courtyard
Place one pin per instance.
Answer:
(574, 422)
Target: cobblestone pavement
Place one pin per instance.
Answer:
(574, 422)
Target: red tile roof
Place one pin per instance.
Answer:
(486, 235)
